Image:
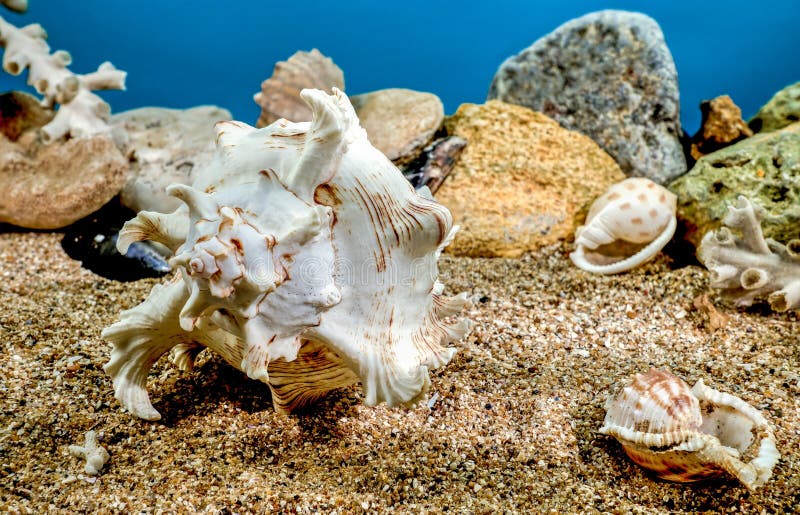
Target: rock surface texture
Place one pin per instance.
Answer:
(783, 109)
(51, 186)
(167, 146)
(765, 167)
(399, 122)
(721, 125)
(609, 75)
(521, 182)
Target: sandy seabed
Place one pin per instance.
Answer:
(512, 426)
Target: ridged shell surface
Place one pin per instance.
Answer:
(687, 435)
(280, 94)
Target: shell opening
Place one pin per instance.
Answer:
(754, 278)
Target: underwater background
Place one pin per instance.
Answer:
(181, 53)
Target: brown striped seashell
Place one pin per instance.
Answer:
(280, 94)
(690, 434)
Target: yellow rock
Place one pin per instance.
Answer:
(522, 182)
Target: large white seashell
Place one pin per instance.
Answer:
(280, 94)
(626, 226)
(306, 260)
(686, 435)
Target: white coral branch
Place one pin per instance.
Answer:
(82, 113)
(750, 266)
(95, 454)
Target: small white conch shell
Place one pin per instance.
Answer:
(686, 435)
(305, 259)
(626, 226)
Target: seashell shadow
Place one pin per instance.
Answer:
(214, 382)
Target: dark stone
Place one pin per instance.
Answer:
(435, 163)
(93, 242)
(20, 112)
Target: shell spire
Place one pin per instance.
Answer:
(300, 250)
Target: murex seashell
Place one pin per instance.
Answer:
(306, 260)
(685, 434)
(280, 94)
(626, 226)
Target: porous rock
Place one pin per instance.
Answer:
(721, 125)
(522, 181)
(399, 122)
(51, 186)
(783, 109)
(167, 146)
(609, 75)
(765, 167)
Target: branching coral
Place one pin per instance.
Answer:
(81, 112)
(750, 266)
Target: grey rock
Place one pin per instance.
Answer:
(609, 75)
(166, 146)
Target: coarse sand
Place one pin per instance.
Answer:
(511, 424)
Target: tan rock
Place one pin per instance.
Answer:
(721, 125)
(522, 182)
(168, 146)
(399, 122)
(51, 186)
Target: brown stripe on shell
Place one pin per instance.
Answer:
(683, 467)
(298, 383)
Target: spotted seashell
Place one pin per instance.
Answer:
(626, 226)
(280, 94)
(687, 435)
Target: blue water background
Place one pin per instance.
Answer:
(181, 53)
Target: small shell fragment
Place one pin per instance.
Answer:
(95, 454)
(687, 435)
